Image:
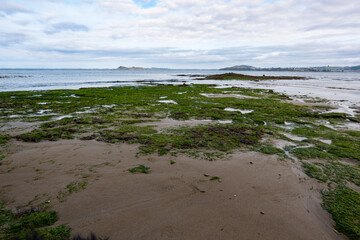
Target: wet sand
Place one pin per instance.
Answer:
(258, 196)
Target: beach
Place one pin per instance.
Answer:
(180, 161)
(166, 203)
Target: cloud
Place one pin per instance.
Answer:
(267, 55)
(12, 8)
(7, 39)
(203, 33)
(66, 26)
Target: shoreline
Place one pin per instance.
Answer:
(268, 158)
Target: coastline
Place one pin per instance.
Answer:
(261, 183)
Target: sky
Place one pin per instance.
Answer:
(178, 33)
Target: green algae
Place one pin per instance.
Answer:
(140, 169)
(344, 205)
(333, 172)
(22, 224)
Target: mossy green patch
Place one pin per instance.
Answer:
(26, 222)
(343, 144)
(219, 137)
(215, 178)
(312, 153)
(52, 134)
(140, 169)
(334, 172)
(314, 172)
(344, 206)
(267, 148)
(71, 188)
(4, 139)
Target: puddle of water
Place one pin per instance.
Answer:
(62, 117)
(243, 111)
(86, 111)
(43, 111)
(168, 101)
(163, 97)
(107, 106)
(72, 95)
(294, 137)
(12, 116)
(224, 121)
(225, 95)
(282, 143)
(327, 141)
(343, 109)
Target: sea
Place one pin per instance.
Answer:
(343, 87)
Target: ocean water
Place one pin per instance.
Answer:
(344, 87)
(47, 79)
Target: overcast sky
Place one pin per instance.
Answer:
(178, 33)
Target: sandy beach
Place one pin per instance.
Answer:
(258, 197)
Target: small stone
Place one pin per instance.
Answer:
(251, 162)
(206, 175)
(262, 213)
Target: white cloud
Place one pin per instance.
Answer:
(267, 55)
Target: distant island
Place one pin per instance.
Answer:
(295, 69)
(130, 68)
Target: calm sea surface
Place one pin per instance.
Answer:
(333, 86)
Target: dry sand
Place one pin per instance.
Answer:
(267, 199)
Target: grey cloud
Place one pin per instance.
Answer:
(110, 53)
(66, 26)
(293, 55)
(7, 39)
(333, 26)
(12, 8)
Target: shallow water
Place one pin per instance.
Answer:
(332, 86)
